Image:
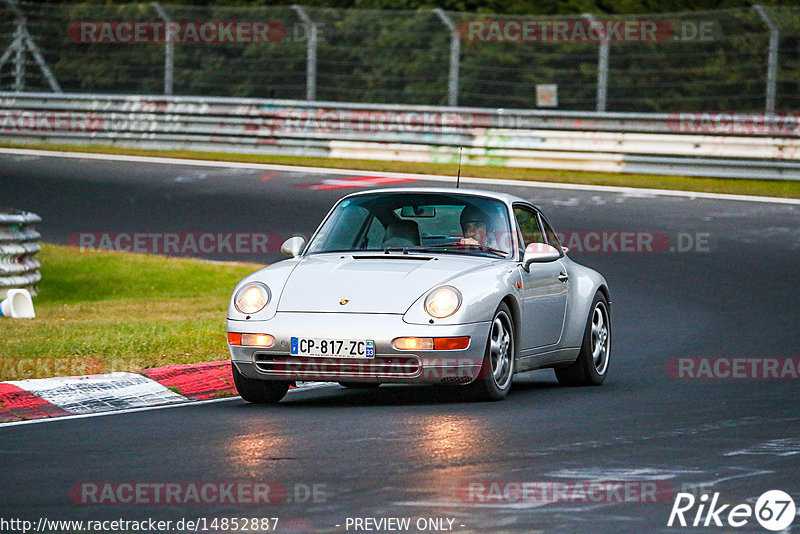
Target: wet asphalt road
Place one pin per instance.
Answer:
(406, 452)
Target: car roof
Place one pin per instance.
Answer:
(504, 197)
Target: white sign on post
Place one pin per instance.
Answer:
(546, 95)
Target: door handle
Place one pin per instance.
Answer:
(563, 277)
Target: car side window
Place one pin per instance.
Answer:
(552, 238)
(520, 239)
(529, 226)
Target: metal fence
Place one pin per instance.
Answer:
(735, 59)
(741, 145)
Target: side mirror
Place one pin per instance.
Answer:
(539, 253)
(293, 246)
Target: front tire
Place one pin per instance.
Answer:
(497, 371)
(259, 391)
(591, 367)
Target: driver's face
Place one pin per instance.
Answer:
(475, 230)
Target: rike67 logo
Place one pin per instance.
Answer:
(774, 510)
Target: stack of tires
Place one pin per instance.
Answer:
(19, 243)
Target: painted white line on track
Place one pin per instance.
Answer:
(633, 191)
(115, 412)
(307, 387)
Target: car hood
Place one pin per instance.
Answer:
(378, 283)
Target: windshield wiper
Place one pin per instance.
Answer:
(459, 246)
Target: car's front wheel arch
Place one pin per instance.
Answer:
(499, 362)
(591, 366)
(513, 307)
(604, 290)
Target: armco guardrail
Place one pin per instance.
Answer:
(723, 145)
(19, 269)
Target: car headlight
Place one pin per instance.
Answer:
(251, 298)
(443, 302)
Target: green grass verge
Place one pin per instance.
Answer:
(772, 188)
(100, 311)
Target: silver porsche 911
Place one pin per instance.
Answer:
(420, 285)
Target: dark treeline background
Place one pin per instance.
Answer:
(398, 51)
(522, 7)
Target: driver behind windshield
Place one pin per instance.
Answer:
(383, 221)
(475, 225)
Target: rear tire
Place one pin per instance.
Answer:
(591, 367)
(497, 371)
(259, 391)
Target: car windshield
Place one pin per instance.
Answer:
(416, 222)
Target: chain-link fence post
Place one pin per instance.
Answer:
(19, 60)
(22, 40)
(311, 53)
(169, 50)
(455, 57)
(602, 63)
(772, 58)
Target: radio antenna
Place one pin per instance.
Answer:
(458, 179)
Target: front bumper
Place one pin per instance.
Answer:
(388, 365)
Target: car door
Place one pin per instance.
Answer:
(544, 286)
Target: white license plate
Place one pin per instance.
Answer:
(333, 348)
